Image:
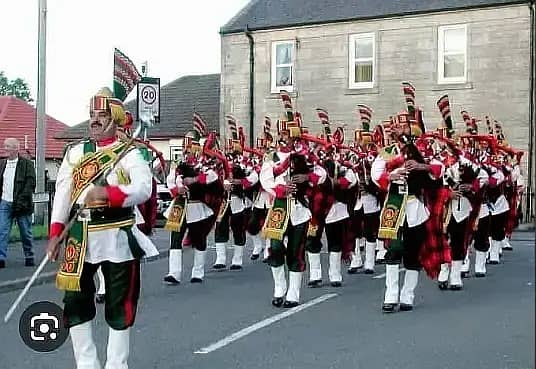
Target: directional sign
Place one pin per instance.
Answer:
(149, 97)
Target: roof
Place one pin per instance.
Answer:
(178, 99)
(267, 14)
(18, 120)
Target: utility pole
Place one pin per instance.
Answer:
(40, 130)
(40, 137)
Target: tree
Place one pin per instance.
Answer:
(17, 87)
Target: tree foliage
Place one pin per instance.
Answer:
(16, 87)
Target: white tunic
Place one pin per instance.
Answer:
(111, 244)
(298, 213)
(415, 213)
(339, 210)
(195, 210)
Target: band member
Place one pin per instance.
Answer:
(101, 180)
(368, 202)
(189, 210)
(513, 193)
(262, 201)
(404, 214)
(337, 220)
(286, 177)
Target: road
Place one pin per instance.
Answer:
(488, 325)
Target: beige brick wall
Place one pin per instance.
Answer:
(406, 49)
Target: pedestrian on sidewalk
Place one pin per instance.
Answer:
(17, 184)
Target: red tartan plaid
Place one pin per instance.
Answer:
(435, 249)
(511, 220)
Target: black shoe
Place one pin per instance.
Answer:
(493, 262)
(30, 262)
(219, 266)
(196, 280)
(455, 287)
(465, 274)
(2, 264)
(277, 301)
(369, 271)
(290, 304)
(406, 307)
(336, 284)
(265, 260)
(99, 299)
(480, 275)
(254, 256)
(169, 279)
(235, 267)
(508, 248)
(314, 284)
(388, 308)
(442, 285)
(352, 270)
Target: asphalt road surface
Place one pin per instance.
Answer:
(228, 322)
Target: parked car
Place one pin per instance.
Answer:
(163, 201)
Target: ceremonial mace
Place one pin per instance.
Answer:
(144, 123)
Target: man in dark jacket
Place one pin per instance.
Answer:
(17, 184)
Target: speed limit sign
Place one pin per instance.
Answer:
(149, 97)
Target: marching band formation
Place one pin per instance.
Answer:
(396, 193)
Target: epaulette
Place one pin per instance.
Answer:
(72, 144)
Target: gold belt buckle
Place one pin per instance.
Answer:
(85, 216)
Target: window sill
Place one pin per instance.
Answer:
(362, 91)
(453, 86)
(277, 95)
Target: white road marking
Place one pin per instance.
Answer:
(263, 323)
(383, 274)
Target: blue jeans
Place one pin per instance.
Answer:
(25, 227)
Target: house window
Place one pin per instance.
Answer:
(282, 66)
(175, 153)
(362, 56)
(452, 56)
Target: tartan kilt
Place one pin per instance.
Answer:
(512, 219)
(436, 249)
(320, 202)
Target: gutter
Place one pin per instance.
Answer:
(251, 86)
(529, 208)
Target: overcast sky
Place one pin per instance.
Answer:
(177, 38)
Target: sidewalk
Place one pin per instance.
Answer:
(15, 275)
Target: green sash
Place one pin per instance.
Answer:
(87, 171)
(177, 214)
(393, 213)
(277, 219)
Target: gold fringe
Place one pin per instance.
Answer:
(312, 230)
(71, 281)
(273, 234)
(173, 224)
(276, 234)
(67, 282)
(388, 233)
(446, 220)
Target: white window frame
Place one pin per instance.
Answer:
(274, 87)
(175, 149)
(441, 55)
(352, 60)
